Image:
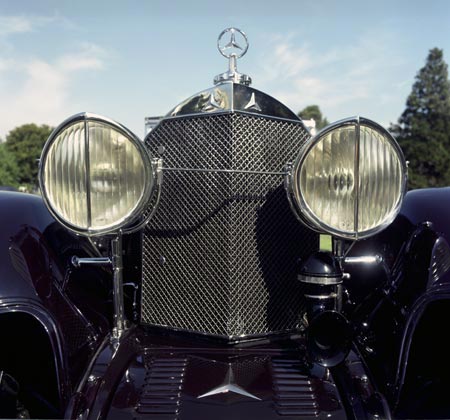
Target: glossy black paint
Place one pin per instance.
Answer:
(388, 304)
(321, 264)
(149, 375)
(38, 289)
(392, 308)
(329, 338)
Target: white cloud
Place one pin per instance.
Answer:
(5, 64)
(14, 24)
(34, 89)
(41, 95)
(338, 79)
(90, 57)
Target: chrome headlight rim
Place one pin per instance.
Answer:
(301, 208)
(124, 225)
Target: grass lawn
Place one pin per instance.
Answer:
(325, 242)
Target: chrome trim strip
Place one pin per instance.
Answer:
(364, 259)
(323, 297)
(88, 171)
(227, 171)
(357, 153)
(320, 280)
(234, 111)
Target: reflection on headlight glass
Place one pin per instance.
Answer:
(347, 193)
(327, 179)
(380, 179)
(94, 182)
(116, 174)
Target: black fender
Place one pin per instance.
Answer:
(37, 280)
(33, 353)
(422, 353)
(429, 205)
(391, 300)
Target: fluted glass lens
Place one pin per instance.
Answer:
(117, 176)
(327, 180)
(380, 179)
(65, 176)
(94, 180)
(351, 187)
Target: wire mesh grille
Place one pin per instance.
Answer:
(220, 254)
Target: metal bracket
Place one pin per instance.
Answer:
(116, 263)
(78, 262)
(364, 259)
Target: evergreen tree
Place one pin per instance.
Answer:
(314, 112)
(423, 130)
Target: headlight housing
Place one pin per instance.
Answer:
(95, 175)
(349, 180)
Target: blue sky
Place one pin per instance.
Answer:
(128, 60)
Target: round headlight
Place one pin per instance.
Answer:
(349, 180)
(95, 175)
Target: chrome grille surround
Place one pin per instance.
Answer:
(220, 255)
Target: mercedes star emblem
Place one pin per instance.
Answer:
(229, 385)
(237, 44)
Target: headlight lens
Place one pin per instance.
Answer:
(350, 179)
(95, 175)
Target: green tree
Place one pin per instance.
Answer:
(25, 143)
(9, 171)
(313, 111)
(423, 130)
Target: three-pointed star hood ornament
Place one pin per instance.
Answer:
(232, 44)
(228, 385)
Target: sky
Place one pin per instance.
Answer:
(131, 59)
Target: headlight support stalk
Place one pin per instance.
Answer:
(115, 261)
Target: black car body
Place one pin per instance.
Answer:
(213, 300)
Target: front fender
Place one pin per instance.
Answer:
(429, 205)
(19, 214)
(390, 300)
(16, 307)
(439, 293)
(36, 278)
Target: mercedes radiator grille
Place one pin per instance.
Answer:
(220, 255)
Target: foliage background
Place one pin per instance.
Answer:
(19, 155)
(423, 129)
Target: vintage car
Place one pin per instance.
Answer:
(182, 277)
